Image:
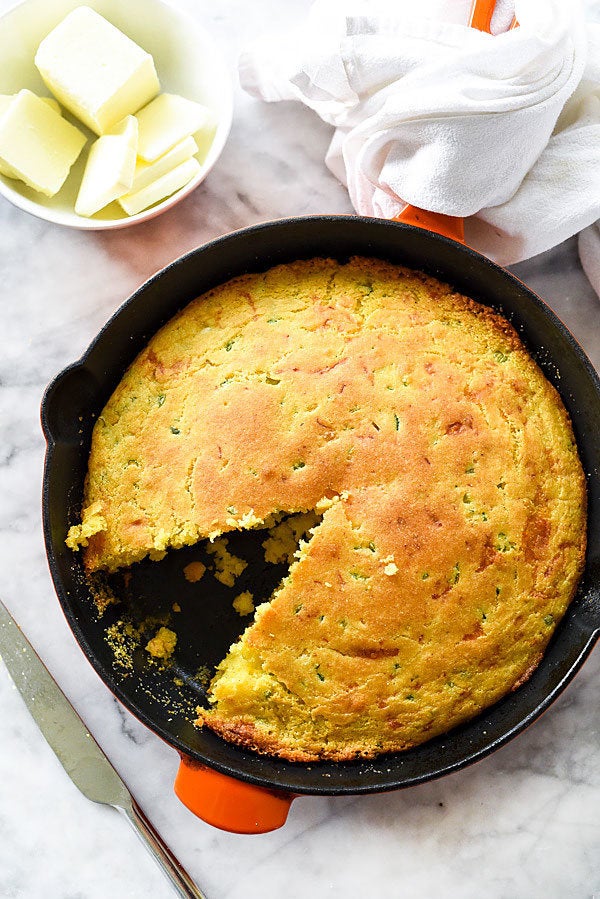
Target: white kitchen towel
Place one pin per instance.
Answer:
(503, 129)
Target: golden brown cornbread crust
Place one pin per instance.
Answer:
(444, 464)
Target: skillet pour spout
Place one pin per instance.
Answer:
(263, 787)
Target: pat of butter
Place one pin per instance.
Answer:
(4, 104)
(166, 121)
(49, 101)
(96, 71)
(5, 169)
(52, 103)
(147, 172)
(109, 169)
(37, 145)
(163, 187)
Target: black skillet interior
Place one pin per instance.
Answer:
(207, 623)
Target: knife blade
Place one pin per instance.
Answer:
(76, 749)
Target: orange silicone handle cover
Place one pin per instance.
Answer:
(481, 14)
(228, 803)
(449, 225)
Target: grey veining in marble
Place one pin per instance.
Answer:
(524, 822)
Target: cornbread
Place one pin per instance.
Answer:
(162, 645)
(282, 543)
(227, 566)
(194, 572)
(437, 465)
(244, 603)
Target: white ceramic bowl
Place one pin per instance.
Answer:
(187, 63)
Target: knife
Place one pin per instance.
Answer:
(76, 749)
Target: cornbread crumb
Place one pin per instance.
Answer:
(244, 522)
(123, 639)
(243, 604)
(162, 645)
(390, 566)
(227, 566)
(194, 572)
(103, 595)
(176, 607)
(203, 676)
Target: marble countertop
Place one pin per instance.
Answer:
(525, 822)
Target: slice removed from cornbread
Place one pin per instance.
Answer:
(441, 460)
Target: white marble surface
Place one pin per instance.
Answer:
(524, 822)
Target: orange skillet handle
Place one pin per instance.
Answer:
(449, 225)
(228, 803)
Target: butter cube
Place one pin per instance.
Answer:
(109, 169)
(96, 71)
(37, 145)
(147, 172)
(166, 121)
(52, 103)
(5, 169)
(4, 104)
(49, 101)
(163, 187)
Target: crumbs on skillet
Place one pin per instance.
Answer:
(124, 638)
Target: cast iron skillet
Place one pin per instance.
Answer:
(69, 410)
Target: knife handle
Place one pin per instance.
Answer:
(175, 872)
